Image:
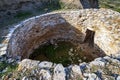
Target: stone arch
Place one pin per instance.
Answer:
(67, 25)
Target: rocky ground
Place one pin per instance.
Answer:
(103, 68)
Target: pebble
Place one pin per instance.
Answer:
(76, 69)
(98, 63)
(45, 75)
(90, 76)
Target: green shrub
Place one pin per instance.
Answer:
(8, 66)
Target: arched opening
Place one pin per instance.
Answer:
(62, 38)
(68, 52)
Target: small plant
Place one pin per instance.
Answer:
(5, 68)
(64, 52)
(110, 4)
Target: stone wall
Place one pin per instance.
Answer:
(106, 68)
(69, 25)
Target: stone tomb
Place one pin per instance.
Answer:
(68, 26)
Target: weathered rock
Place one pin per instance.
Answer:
(72, 72)
(76, 73)
(59, 72)
(91, 76)
(28, 64)
(24, 78)
(46, 64)
(29, 78)
(76, 70)
(118, 78)
(45, 75)
(3, 50)
(98, 63)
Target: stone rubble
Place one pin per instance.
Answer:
(83, 71)
(45, 64)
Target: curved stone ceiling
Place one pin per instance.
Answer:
(66, 25)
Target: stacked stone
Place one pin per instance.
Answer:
(106, 68)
